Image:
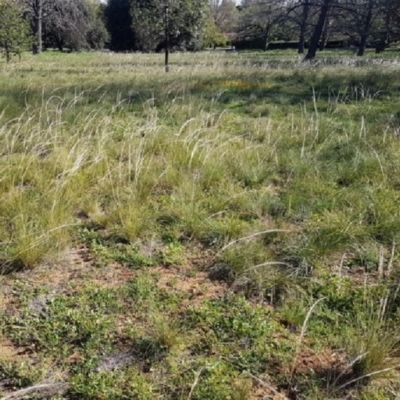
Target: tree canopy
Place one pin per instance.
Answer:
(119, 25)
(73, 24)
(14, 30)
(182, 19)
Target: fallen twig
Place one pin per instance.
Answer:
(196, 381)
(53, 388)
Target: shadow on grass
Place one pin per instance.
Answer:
(333, 381)
(8, 267)
(288, 87)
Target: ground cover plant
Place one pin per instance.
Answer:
(228, 230)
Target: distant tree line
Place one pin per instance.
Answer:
(71, 25)
(315, 22)
(138, 24)
(151, 25)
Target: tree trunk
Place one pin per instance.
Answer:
(166, 27)
(266, 38)
(381, 46)
(7, 52)
(303, 26)
(367, 27)
(363, 45)
(385, 38)
(324, 35)
(312, 49)
(38, 26)
(300, 47)
(59, 44)
(266, 43)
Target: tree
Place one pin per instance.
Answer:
(259, 19)
(304, 21)
(387, 25)
(359, 17)
(225, 15)
(14, 31)
(316, 36)
(326, 31)
(119, 25)
(148, 23)
(34, 10)
(97, 36)
(212, 35)
(71, 23)
(159, 24)
(74, 24)
(299, 14)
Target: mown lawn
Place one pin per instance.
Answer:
(228, 230)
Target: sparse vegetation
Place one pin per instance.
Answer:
(225, 231)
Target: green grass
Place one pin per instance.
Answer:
(226, 230)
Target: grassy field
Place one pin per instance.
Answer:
(229, 230)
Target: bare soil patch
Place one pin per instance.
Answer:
(189, 281)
